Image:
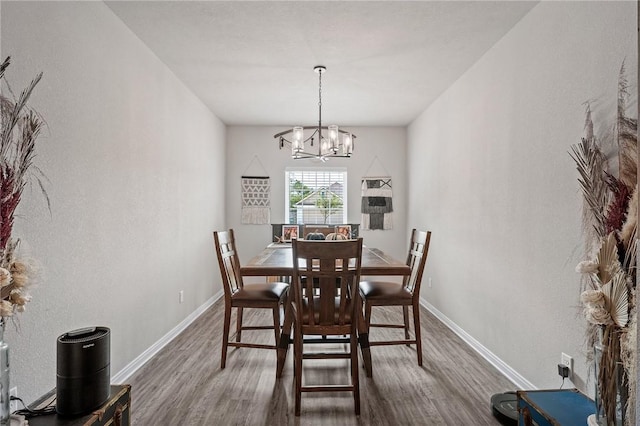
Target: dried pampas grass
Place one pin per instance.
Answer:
(628, 234)
(626, 130)
(629, 358)
(628, 229)
(587, 267)
(627, 155)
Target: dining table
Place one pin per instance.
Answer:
(276, 260)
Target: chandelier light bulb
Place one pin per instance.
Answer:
(347, 146)
(333, 138)
(297, 143)
(325, 146)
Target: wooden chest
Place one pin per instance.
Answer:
(115, 412)
(554, 407)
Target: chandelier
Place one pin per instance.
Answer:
(333, 142)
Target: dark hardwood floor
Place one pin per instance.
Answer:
(184, 385)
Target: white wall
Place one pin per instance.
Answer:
(135, 163)
(385, 143)
(489, 174)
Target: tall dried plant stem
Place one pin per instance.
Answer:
(609, 373)
(626, 134)
(4, 66)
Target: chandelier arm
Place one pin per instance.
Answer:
(286, 132)
(346, 132)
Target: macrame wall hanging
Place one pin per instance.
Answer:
(377, 197)
(256, 198)
(377, 205)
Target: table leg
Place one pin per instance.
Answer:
(285, 338)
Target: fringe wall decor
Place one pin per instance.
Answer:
(377, 203)
(256, 200)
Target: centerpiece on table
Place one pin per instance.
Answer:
(20, 126)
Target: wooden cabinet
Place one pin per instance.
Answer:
(115, 412)
(555, 407)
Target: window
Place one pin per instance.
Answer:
(316, 196)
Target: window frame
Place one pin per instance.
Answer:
(289, 170)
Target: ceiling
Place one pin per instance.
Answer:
(252, 62)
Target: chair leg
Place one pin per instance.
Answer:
(354, 372)
(239, 325)
(364, 324)
(297, 355)
(367, 315)
(285, 338)
(416, 324)
(276, 323)
(405, 314)
(225, 334)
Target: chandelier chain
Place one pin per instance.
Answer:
(320, 99)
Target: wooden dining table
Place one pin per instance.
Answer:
(276, 260)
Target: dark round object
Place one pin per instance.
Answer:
(315, 236)
(505, 408)
(83, 370)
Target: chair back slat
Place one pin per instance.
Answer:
(228, 261)
(416, 259)
(328, 271)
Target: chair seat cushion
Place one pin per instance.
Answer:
(384, 290)
(306, 310)
(262, 291)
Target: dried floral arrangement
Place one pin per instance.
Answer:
(20, 126)
(609, 273)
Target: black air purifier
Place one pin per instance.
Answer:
(83, 370)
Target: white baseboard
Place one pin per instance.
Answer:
(500, 365)
(133, 366)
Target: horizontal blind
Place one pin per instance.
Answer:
(316, 196)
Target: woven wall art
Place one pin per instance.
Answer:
(256, 200)
(377, 205)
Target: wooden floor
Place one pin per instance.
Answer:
(184, 385)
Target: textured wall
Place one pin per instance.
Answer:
(135, 164)
(489, 173)
(385, 143)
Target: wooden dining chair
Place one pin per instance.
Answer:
(237, 294)
(405, 294)
(331, 309)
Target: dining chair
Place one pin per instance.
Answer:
(405, 294)
(237, 294)
(333, 268)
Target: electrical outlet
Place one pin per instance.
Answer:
(430, 283)
(13, 405)
(181, 296)
(567, 361)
